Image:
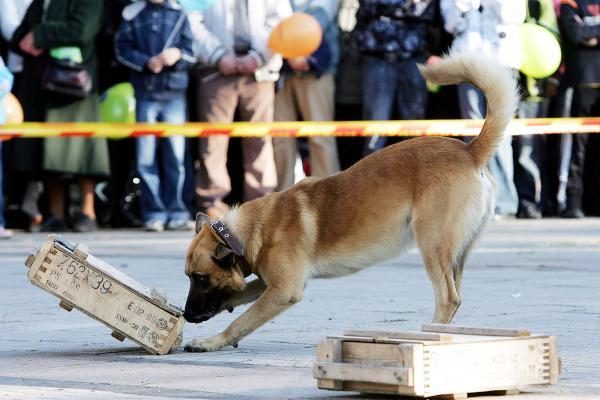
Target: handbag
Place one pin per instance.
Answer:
(67, 78)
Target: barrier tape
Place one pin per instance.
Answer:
(458, 127)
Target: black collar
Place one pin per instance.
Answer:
(232, 243)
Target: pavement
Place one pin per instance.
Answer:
(542, 275)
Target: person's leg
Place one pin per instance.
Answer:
(583, 100)
(412, 91)
(285, 150)
(316, 102)
(378, 93)
(4, 233)
(472, 106)
(526, 157)
(256, 104)
(217, 103)
(172, 155)
(152, 209)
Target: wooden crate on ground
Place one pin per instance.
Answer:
(441, 360)
(106, 294)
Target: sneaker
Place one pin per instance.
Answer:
(52, 224)
(574, 212)
(83, 223)
(180, 225)
(154, 225)
(529, 212)
(5, 233)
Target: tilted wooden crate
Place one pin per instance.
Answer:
(439, 360)
(106, 294)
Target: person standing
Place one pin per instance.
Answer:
(491, 27)
(393, 37)
(6, 80)
(231, 36)
(580, 22)
(155, 42)
(528, 149)
(306, 92)
(66, 23)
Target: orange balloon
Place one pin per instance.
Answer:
(296, 36)
(13, 109)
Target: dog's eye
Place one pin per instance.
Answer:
(225, 262)
(201, 280)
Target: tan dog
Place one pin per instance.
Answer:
(436, 192)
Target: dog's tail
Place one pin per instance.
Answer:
(498, 86)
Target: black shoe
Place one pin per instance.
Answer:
(52, 224)
(83, 223)
(529, 212)
(574, 212)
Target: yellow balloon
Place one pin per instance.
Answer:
(296, 36)
(13, 109)
(541, 51)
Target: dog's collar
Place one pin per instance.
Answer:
(232, 243)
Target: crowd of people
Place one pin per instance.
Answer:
(212, 63)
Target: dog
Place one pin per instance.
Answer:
(432, 191)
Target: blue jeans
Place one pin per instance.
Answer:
(1, 190)
(472, 106)
(385, 84)
(160, 162)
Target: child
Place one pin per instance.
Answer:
(6, 80)
(155, 42)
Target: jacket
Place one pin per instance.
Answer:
(580, 22)
(146, 30)
(396, 29)
(214, 34)
(326, 57)
(491, 27)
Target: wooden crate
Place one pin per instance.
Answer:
(441, 360)
(106, 294)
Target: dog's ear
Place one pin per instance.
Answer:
(224, 257)
(200, 219)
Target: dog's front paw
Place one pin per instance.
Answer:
(205, 345)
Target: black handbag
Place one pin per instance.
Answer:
(67, 78)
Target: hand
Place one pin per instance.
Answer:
(155, 64)
(227, 65)
(299, 64)
(170, 56)
(27, 45)
(246, 65)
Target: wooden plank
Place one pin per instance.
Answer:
(378, 354)
(467, 330)
(363, 373)
(352, 338)
(329, 351)
(484, 366)
(378, 388)
(383, 335)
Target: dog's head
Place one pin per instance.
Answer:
(213, 272)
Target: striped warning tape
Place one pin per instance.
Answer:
(457, 127)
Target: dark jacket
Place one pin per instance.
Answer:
(398, 29)
(146, 30)
(580, 23)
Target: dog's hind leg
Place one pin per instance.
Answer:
(437, 250)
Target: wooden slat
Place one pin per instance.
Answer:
(363, 373)
(329, 351)
(382, 335)
(467, 330)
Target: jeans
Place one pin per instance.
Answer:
(385, 82)
(160, 162)
(1, 189)
(527, 152)
(472, 106)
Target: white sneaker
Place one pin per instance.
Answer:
(5, 233)
(154, 226)
(180, 225)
